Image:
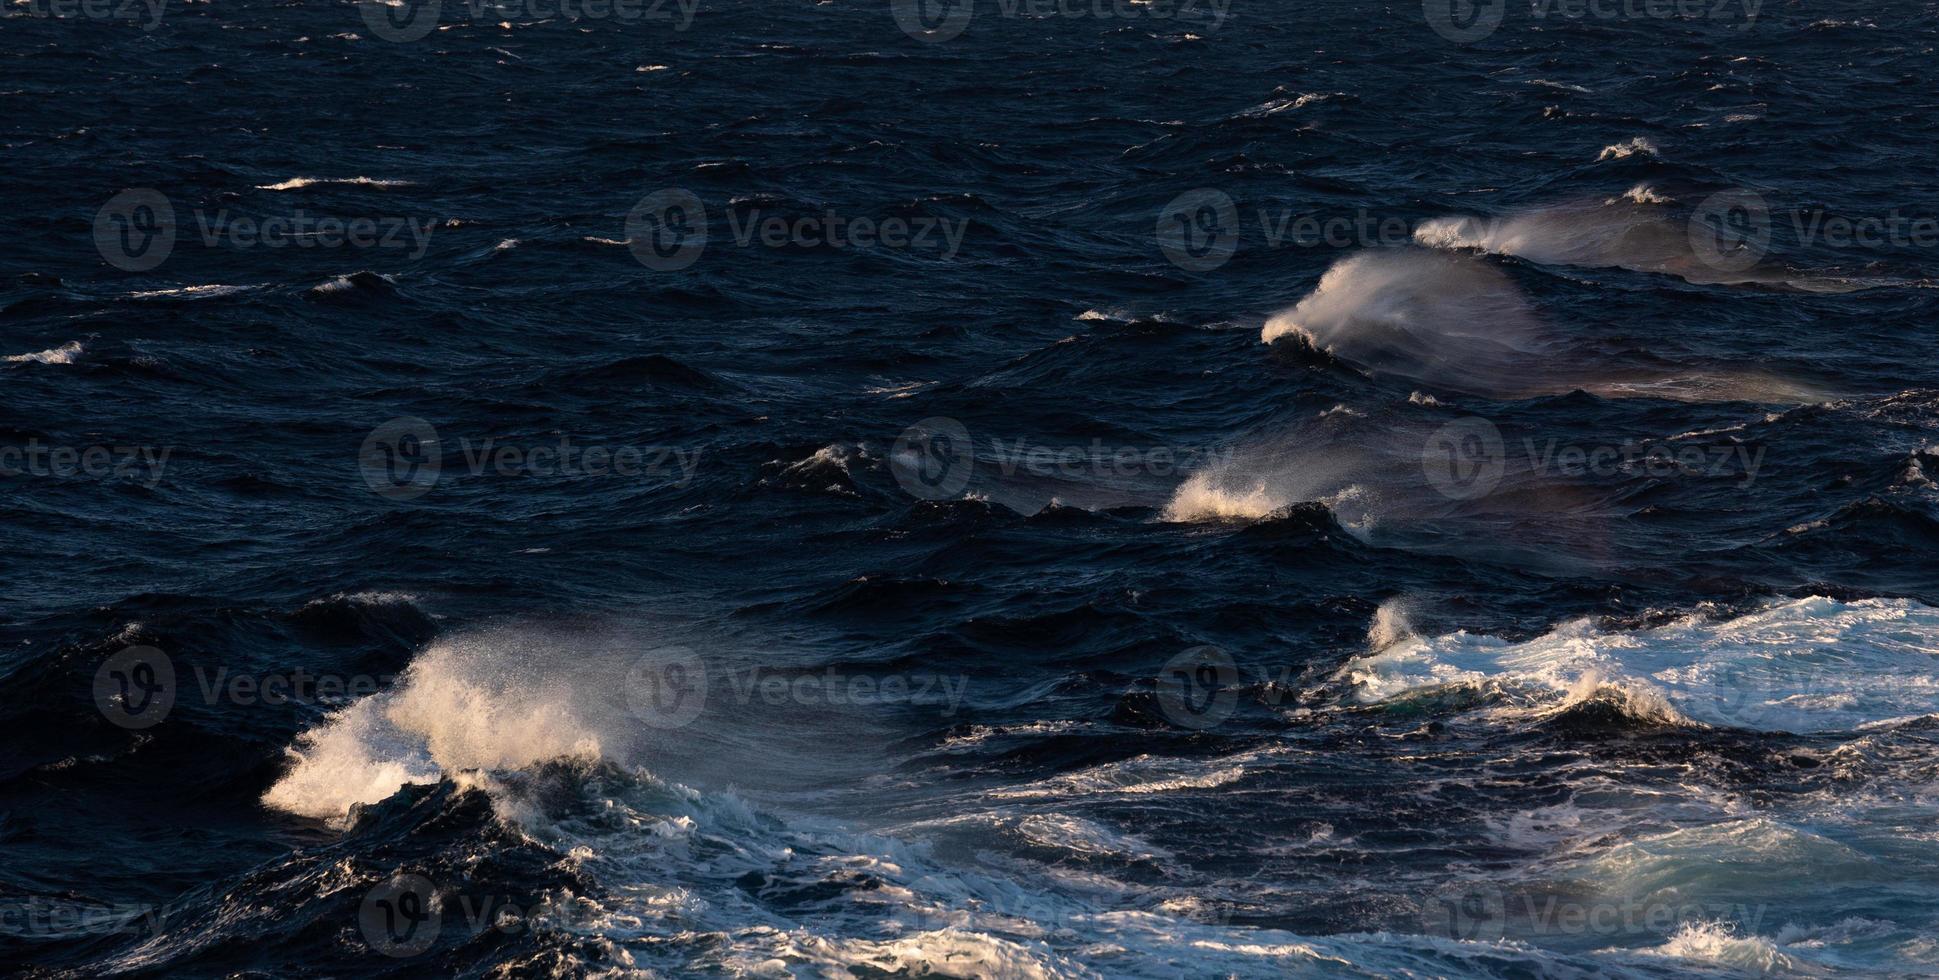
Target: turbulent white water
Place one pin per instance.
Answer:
(66, 353)
(499, 699)
(1018, 881)
(1804, 665)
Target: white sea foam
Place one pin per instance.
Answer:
(1142, 775)
(1712, 944)
(674, 862)
(66, 353)
(344, 284)
(297, 183)
(1634, 146)
(367, 599)
(1802, 665)
(205, 291)
(1275, 106)
(481, 701)
(1645, 194)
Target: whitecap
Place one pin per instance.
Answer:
(1801, 665)
(1209, 495)
(296, 183)
(1633, 147)
(66, 353)
(207, 291)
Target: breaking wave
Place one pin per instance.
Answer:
(66, 353)
(1451, 320)
(1801, 665)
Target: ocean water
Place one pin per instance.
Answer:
(856, 489)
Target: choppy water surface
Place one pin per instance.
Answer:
(859, 489)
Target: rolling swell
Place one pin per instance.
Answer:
(1285, 699)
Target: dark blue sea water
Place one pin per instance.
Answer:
(912, 489)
